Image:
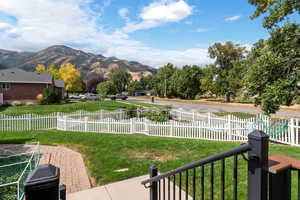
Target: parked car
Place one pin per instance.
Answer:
(118, 96)
(89, 97)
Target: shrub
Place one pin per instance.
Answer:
(29, 103)
(50, 96)
(131, 111)
(16, 103)
(157, 116)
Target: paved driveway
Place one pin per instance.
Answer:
(202, 107)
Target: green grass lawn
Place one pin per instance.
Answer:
(104, 153)
(70, 107)
(66, 107)
(148, 105)
(241, 115)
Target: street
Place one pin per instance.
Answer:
(202, 107)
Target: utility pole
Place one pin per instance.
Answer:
(165, 86)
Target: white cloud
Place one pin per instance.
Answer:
(233, 18)
(123, 12)
(188, 22)
(202, 30)
(42, 23)
(158, 13)
(158, 58)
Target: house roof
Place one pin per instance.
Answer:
(20, 76)
(59, 83)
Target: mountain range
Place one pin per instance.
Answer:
(87, 63)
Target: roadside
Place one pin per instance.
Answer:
(204, 106)
(207, 101)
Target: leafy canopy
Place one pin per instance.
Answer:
(274, 73)
(72, 78)
(278, 10)
(121, 78)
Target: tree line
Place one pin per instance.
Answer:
(267, 74)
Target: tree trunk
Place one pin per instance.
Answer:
(228, 97)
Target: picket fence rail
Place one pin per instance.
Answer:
(185, 125)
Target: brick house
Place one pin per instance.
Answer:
(17, 84)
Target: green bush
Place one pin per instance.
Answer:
(131, 111)
(157, 116)
(50, 96)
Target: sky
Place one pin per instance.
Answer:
(153, 32)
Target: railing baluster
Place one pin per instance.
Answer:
(235, 177)
(187, 185)
(212, 181)
(169, 198)
(223, 179)
(164, 189)
(194, 183)
(202, 183)
(298, 185)
(174, 186)
(180, 182)
(159, 190)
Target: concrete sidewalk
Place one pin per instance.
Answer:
(130, 189)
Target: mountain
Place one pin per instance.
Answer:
(86, 63)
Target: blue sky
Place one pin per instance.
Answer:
(153, 32)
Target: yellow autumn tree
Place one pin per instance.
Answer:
(40, 68)
(52, 69)
(71, 76)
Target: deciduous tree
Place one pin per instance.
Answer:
(277, 10)
(274, 74)
(71, 76)
(121, 78)
(225, 58)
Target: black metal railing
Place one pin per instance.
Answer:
(189, 181)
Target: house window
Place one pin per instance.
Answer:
(6, 86)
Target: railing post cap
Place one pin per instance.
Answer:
(258, 135)
(153, 167)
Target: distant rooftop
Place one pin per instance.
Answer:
(59, 83)
(20, 76)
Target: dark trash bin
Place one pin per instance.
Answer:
(43, 183)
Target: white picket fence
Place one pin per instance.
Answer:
(29, 122)
(195, 129)
(186, 125)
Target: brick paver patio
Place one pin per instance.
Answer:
(72, 169)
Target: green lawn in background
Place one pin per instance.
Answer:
(71, 107)
(105, 153)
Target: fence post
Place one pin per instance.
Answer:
(153, 187)
(85, 124)
(209, 119)
(280, 185)
(56, 121)
(229, 127)
(65, 123)
(131, 126)
(194, 116)
(172, 128)
(30, 121)
(258, 165)
(292, 132)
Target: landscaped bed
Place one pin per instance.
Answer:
(106, 153)
(16, 163)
